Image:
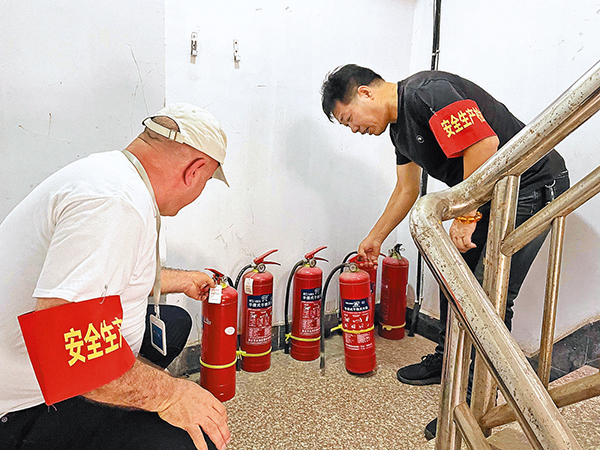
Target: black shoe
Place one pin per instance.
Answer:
(431, 429)
(428, 371)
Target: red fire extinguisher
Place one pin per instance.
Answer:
(372, 271)
(219, 339)
(257, 315)
(306, 311)
(357, 318)
(394, 282)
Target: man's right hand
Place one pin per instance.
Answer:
(368, 252)
(190, 407)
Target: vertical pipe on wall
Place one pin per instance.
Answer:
(435, 52)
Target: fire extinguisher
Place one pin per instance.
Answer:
(219, 339)
(394, 282)
(257, 315)
(306, 311)
(372, 271)
(356, 319)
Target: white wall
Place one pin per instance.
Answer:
(78, 78)
(526, 54)
(75, 78)
(297, 180)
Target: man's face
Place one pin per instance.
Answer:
(362, 115)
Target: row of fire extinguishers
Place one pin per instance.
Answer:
(305, 341)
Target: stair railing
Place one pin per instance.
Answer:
(475, 315)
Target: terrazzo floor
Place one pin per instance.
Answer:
(291, 406)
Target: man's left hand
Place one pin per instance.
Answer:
(461, 233)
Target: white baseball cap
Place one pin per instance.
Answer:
(197, 128)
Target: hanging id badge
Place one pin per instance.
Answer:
(158, 334)
(158, 330)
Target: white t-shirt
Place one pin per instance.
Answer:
(86, 231)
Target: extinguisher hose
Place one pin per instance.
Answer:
(237, 280)
(325, 286)
(348, 256)
(287, 304)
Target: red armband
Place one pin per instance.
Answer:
(458, 126)
(77, 347)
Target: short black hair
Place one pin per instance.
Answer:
(341, 85)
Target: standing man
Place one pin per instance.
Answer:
(81, 250)
(448, 126)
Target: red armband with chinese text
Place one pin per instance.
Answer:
(77, 347)
(458, 126)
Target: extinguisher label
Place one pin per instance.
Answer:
(215, 294)
(311, 295)
(260, 301)
(357, 316)
(310, 312)
(259, 319)
(248, 286)
(383, 305)
(356, 305)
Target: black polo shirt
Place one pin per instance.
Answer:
(423, 95)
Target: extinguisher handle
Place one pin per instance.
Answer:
(320, 259)
(271, 262)
(396, 251)
(354, 259)
(311, 255)
(261, 258)
(217, 275)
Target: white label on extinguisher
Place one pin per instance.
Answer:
(229, 331)
(215, 294)
(248, 286)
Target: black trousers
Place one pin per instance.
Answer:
(80, 424)
(528, 205)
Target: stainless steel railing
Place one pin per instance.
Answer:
(476, 312)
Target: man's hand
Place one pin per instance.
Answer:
(192, 283)
(461, 233)
(368, 252)
(190, 407)
(198, 285)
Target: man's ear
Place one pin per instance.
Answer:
(365, 91)
(193, 170)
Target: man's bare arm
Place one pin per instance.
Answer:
(179, 402)
(401, 201)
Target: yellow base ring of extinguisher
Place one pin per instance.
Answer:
(339, 327)
(392, 327)
(243, 353)
(224, 366)
(290, 336)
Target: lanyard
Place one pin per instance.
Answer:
(142, 172)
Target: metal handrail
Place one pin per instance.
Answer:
(475, 316)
